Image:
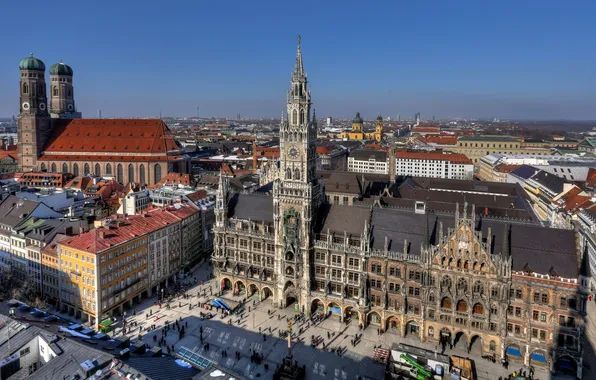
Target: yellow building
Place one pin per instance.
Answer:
(358, 132)
(475, 147)
(103, 270)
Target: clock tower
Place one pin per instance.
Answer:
(34, 123)
(297, 193)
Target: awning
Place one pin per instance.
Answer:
(513, 351)
(565, 363)
(106, 322)
(538, 357)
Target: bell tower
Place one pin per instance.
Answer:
(33, 123)
(62, 103)
(296, 193)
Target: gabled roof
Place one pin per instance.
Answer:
(111, 136)
(550, 181)
(525, 171)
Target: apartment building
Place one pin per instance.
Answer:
(433, 164)
(108, 269)
(369, 161)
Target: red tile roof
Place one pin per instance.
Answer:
(441, 140)
(123, 229)
(591, 178)
(197, 195)
(175, 179)
(111, 136)
(452, 157)
(506, 168)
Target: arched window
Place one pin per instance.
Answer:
(443, 261)
(64, 168)
(40, 89)
(43, 167)
(478, 309)
(86, 169)
(467, 265)
(75, 170)
(55, 90)
(492, 346)
(97, 170)
(157, 173)
(54, 167)
(294, 117)
(431, 297)
(302, 117)
(483, 267)
(475, 266)
(446, 303)
(459, 265)
(119, 174)
(297, 174)
(142, 174)
(25, 88)
(478, 288)
(289, 173)
(108, 170)
(290, 256)
(131, 173)
(462, 306)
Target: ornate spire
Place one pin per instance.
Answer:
(314, 118)
(299, 69)
(505, 247)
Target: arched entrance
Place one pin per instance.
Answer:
(476, 345)
(460, 341)
(445, 337)
(334, 309)
(350, 313)
(239, 288)
(317, 306)
(567, 365)
(266, 293)
(290, 296)
(252, 290)
(539, 358)
(374, 318)
(226, 284)
(393, 324)
(412, 330)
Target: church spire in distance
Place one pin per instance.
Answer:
(299, 69)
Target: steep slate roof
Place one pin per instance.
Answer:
(550, 181)
(255, 206)
(340, 218)
(525, 171)
(532, 247)
(111, 136)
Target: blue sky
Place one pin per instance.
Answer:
(507, 59)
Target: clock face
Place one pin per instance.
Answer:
(42, 106)
(293, 152)
(25, 106)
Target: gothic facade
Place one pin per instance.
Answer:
(500, 286)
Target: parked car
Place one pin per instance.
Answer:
(13, 303)
(50, 318)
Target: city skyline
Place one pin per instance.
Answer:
(507, 61)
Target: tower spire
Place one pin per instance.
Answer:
(299, 69)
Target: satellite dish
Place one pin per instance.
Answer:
(98, 373)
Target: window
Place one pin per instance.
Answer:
(494, 292)
(393, 287)
(336, 259)
(142, 174)
(97, 170)
(131, 173)
(376, 268)
(376, 284)
(395, 271)
(353, 263)
(319, 256)
(75, 170)
(535, 315)
(157, 173)
(478, 288)
(120, 174)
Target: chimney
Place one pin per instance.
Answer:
(68, 231)
(102, 234)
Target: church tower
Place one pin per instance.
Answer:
(33, 123)
(62, 104)
(297, 193)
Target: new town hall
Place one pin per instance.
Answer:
(505, 287)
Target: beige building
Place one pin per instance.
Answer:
(475, 147)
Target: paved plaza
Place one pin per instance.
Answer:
(246, 337)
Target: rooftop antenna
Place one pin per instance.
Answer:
(160, 113)
(197, 111)
(99, 114)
